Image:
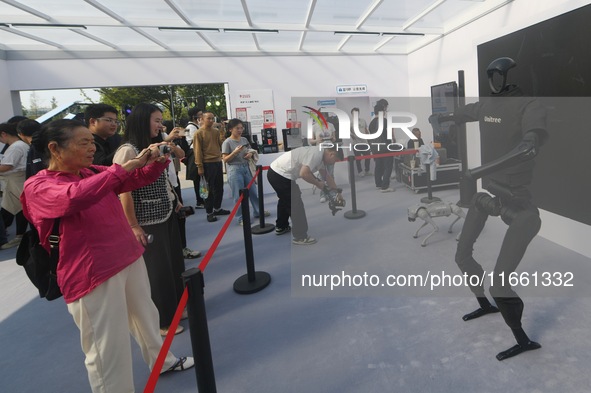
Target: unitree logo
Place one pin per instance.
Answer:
(388, 121)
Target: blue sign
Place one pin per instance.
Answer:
(326, 102)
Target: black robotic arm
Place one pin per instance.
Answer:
(526, 150)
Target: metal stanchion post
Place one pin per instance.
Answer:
(193, 279)
(262, 228)
(429, 198)
(252, 281)
(467, 186)
(353, 214)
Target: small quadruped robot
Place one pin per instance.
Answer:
(427, 212)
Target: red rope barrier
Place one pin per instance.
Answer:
(155, 374)
(253, 179)
(397, 153)
(219, 237)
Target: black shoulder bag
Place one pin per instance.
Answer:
(40, 266)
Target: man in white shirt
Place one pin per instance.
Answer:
(298, 163)
(324, 133)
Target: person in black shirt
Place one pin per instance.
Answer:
(27, 129)
(102, 121)
(384, 165)
(411, 142)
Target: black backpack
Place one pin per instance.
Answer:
(40, 266)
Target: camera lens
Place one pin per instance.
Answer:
(164, 149)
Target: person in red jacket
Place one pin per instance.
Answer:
(101, 271)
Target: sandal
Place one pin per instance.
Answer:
(190, 254)
(179, 329)
(182, 364)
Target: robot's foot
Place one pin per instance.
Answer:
(480, 312)
(517, 349)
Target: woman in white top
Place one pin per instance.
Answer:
(12, 171)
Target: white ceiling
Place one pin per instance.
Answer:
(133, 28)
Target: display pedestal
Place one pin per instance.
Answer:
(448, 174)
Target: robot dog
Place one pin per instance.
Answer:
(427, 212)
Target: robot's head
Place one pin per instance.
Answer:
(413, 212)
(497, 73)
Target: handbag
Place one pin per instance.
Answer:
(203, 190)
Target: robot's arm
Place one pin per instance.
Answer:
(526, 150)
(437, 118)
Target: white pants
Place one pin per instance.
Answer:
(106, 316)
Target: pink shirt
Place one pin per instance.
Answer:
(96, 239)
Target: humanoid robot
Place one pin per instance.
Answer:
(513, 127)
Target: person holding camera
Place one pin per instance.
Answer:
(300, 163)
(151, 210)
(236, 153)
(101, 272)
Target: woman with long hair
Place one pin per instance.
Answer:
(150, 212)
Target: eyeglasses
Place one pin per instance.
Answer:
(109, 120)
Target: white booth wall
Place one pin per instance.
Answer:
(286, 76)
(6, 109)
(440, 62)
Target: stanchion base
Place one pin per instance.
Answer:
(430, 200)
(245, 287)
(258, 230)
(353, 215)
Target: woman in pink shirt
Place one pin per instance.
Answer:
(101, 271)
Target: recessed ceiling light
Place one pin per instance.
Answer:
(365, 33)
(249, 31)
(46, 25)
(188, 28)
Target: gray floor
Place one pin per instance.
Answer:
(287, 338)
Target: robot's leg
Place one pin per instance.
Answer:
(475, 220)
(424, 214)
(459, 214)
(418, 230)
(451, 227)
(524, 224)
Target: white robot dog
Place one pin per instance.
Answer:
(427, 212)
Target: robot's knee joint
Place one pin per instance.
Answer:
(487, 204)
